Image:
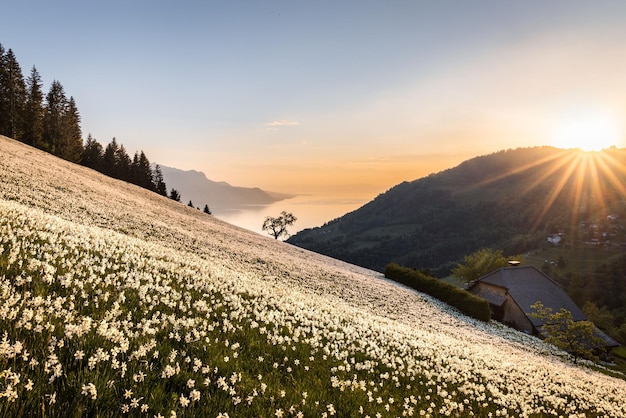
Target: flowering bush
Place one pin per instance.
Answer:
(115, 301)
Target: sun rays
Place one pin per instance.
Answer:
(585, 184)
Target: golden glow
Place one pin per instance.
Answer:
(578, 179)
(591, 130)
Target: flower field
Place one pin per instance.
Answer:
(117, 302)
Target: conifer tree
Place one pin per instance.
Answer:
(70, 142)
(174, 195)
(144, 172)
(123, 164)
(12, 95)
(158, 182)
(33, 110)
(56, 105)
(92, 154)
(109, 166)
(4, 99)
(207, 210)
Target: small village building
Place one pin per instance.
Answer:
(554, 239)
(511, 291)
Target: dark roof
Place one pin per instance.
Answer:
(493, 298)
(610, 342)
(527, 285)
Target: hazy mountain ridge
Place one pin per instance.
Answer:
(509, 200)
(134, 292)
(195, 186)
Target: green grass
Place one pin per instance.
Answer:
(576, 260)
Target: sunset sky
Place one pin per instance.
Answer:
(347, 97)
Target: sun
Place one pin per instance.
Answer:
(589, 130)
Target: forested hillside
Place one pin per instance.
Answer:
(510, 200)
(51, 123)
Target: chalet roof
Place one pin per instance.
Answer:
(527, 285)
(493, 298)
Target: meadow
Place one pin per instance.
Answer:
(115, 301)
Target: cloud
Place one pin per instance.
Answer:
(282, 122)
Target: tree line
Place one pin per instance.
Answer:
(114, 161)
(51, 122)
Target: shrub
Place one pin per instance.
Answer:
(469, 304)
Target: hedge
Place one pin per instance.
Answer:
(469, 304)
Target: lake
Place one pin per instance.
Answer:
(310, 211)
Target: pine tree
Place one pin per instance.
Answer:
(33, 110)
(12, 95)
(123, 164)
(145, 172)
(134, 169)
(92, 154)
(70, 142)
(4, 97)
(174, 195)
(109, 166)
(207, 210)
(56, 106)
(158, 182)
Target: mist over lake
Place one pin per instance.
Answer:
(311, 210)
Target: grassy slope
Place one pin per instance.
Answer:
(174, 310)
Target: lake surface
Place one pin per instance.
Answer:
(311, 211)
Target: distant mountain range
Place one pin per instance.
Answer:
(509, 200)
(194, 186)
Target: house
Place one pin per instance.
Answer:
(554, 239)
(511, 291)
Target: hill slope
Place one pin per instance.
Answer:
(114, 300)
(509, 200)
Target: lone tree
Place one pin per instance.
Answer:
(278, 226)
(579, 338)
(483, 261)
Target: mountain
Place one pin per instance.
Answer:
(220, 196)
(115, 300)
(508, 200)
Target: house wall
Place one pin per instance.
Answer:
(509, 313)
(515, 317)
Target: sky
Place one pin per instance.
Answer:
(330, 97)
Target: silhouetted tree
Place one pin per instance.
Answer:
(33, 110)
(92, 154)
(70, 145)
(5, 102)
(174, 195)
(12, 95)
(277, 227)
(123, 164)
(109, 166)
(158, 182)
(142, 172)
(207, 210)
(190, 204)
(56, 103)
